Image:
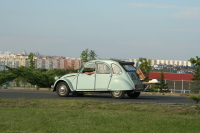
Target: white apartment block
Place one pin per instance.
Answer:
(164, 62)
(173, 63)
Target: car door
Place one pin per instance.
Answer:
(103, 77)
(86, 78)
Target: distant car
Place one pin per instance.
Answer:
(104, 76)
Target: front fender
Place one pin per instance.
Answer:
(119, 84)
(66, 81)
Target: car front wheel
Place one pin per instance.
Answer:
(117, 94)
(62, 89)
(133, 94)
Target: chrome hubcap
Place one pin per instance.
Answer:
(117, 93)
(62, 89)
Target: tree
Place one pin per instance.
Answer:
(84, 55)
(145, 64)
(195, 84)
(87, 55)
(162, 86)
(71, 70)
(6, 76)
(39, 77)
(92, 55)
(31, 59)
(20, 81)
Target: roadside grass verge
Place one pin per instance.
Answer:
(76, 116)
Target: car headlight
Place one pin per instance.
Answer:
(56, 78)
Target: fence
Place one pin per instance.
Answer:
(178, 86)
(178, 91)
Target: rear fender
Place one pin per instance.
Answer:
(119, 84)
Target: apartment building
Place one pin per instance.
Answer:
(62, 64)
(39, 63)
(163, 62)
(173, 62)
(153, 62)
(57, 62)
(77, 63)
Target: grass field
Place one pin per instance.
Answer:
(70, 116)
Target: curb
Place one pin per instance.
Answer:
(170, 94)
(23, 88)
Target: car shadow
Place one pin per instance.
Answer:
(109, 97)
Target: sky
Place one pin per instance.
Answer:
(122, 29)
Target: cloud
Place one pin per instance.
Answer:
(188, 13)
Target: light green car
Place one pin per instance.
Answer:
(104, 76)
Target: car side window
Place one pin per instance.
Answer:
(116, 69)
(103, 69)
(89, 68)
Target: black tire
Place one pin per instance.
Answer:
(133, 94)
(117, 94)
(62, 89)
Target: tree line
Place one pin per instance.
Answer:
(36, 77)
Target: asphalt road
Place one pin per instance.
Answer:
(38, 94)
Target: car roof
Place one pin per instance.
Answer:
(106, 61)
(114, 61)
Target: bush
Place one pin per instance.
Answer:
(153, 89)
(195, 98)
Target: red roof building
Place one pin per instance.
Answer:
(171, 76)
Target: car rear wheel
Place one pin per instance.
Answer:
(133, 94)
(62, 89)
(117, 94)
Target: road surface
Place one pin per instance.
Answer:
(39, 94)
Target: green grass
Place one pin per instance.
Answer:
(67, 116)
